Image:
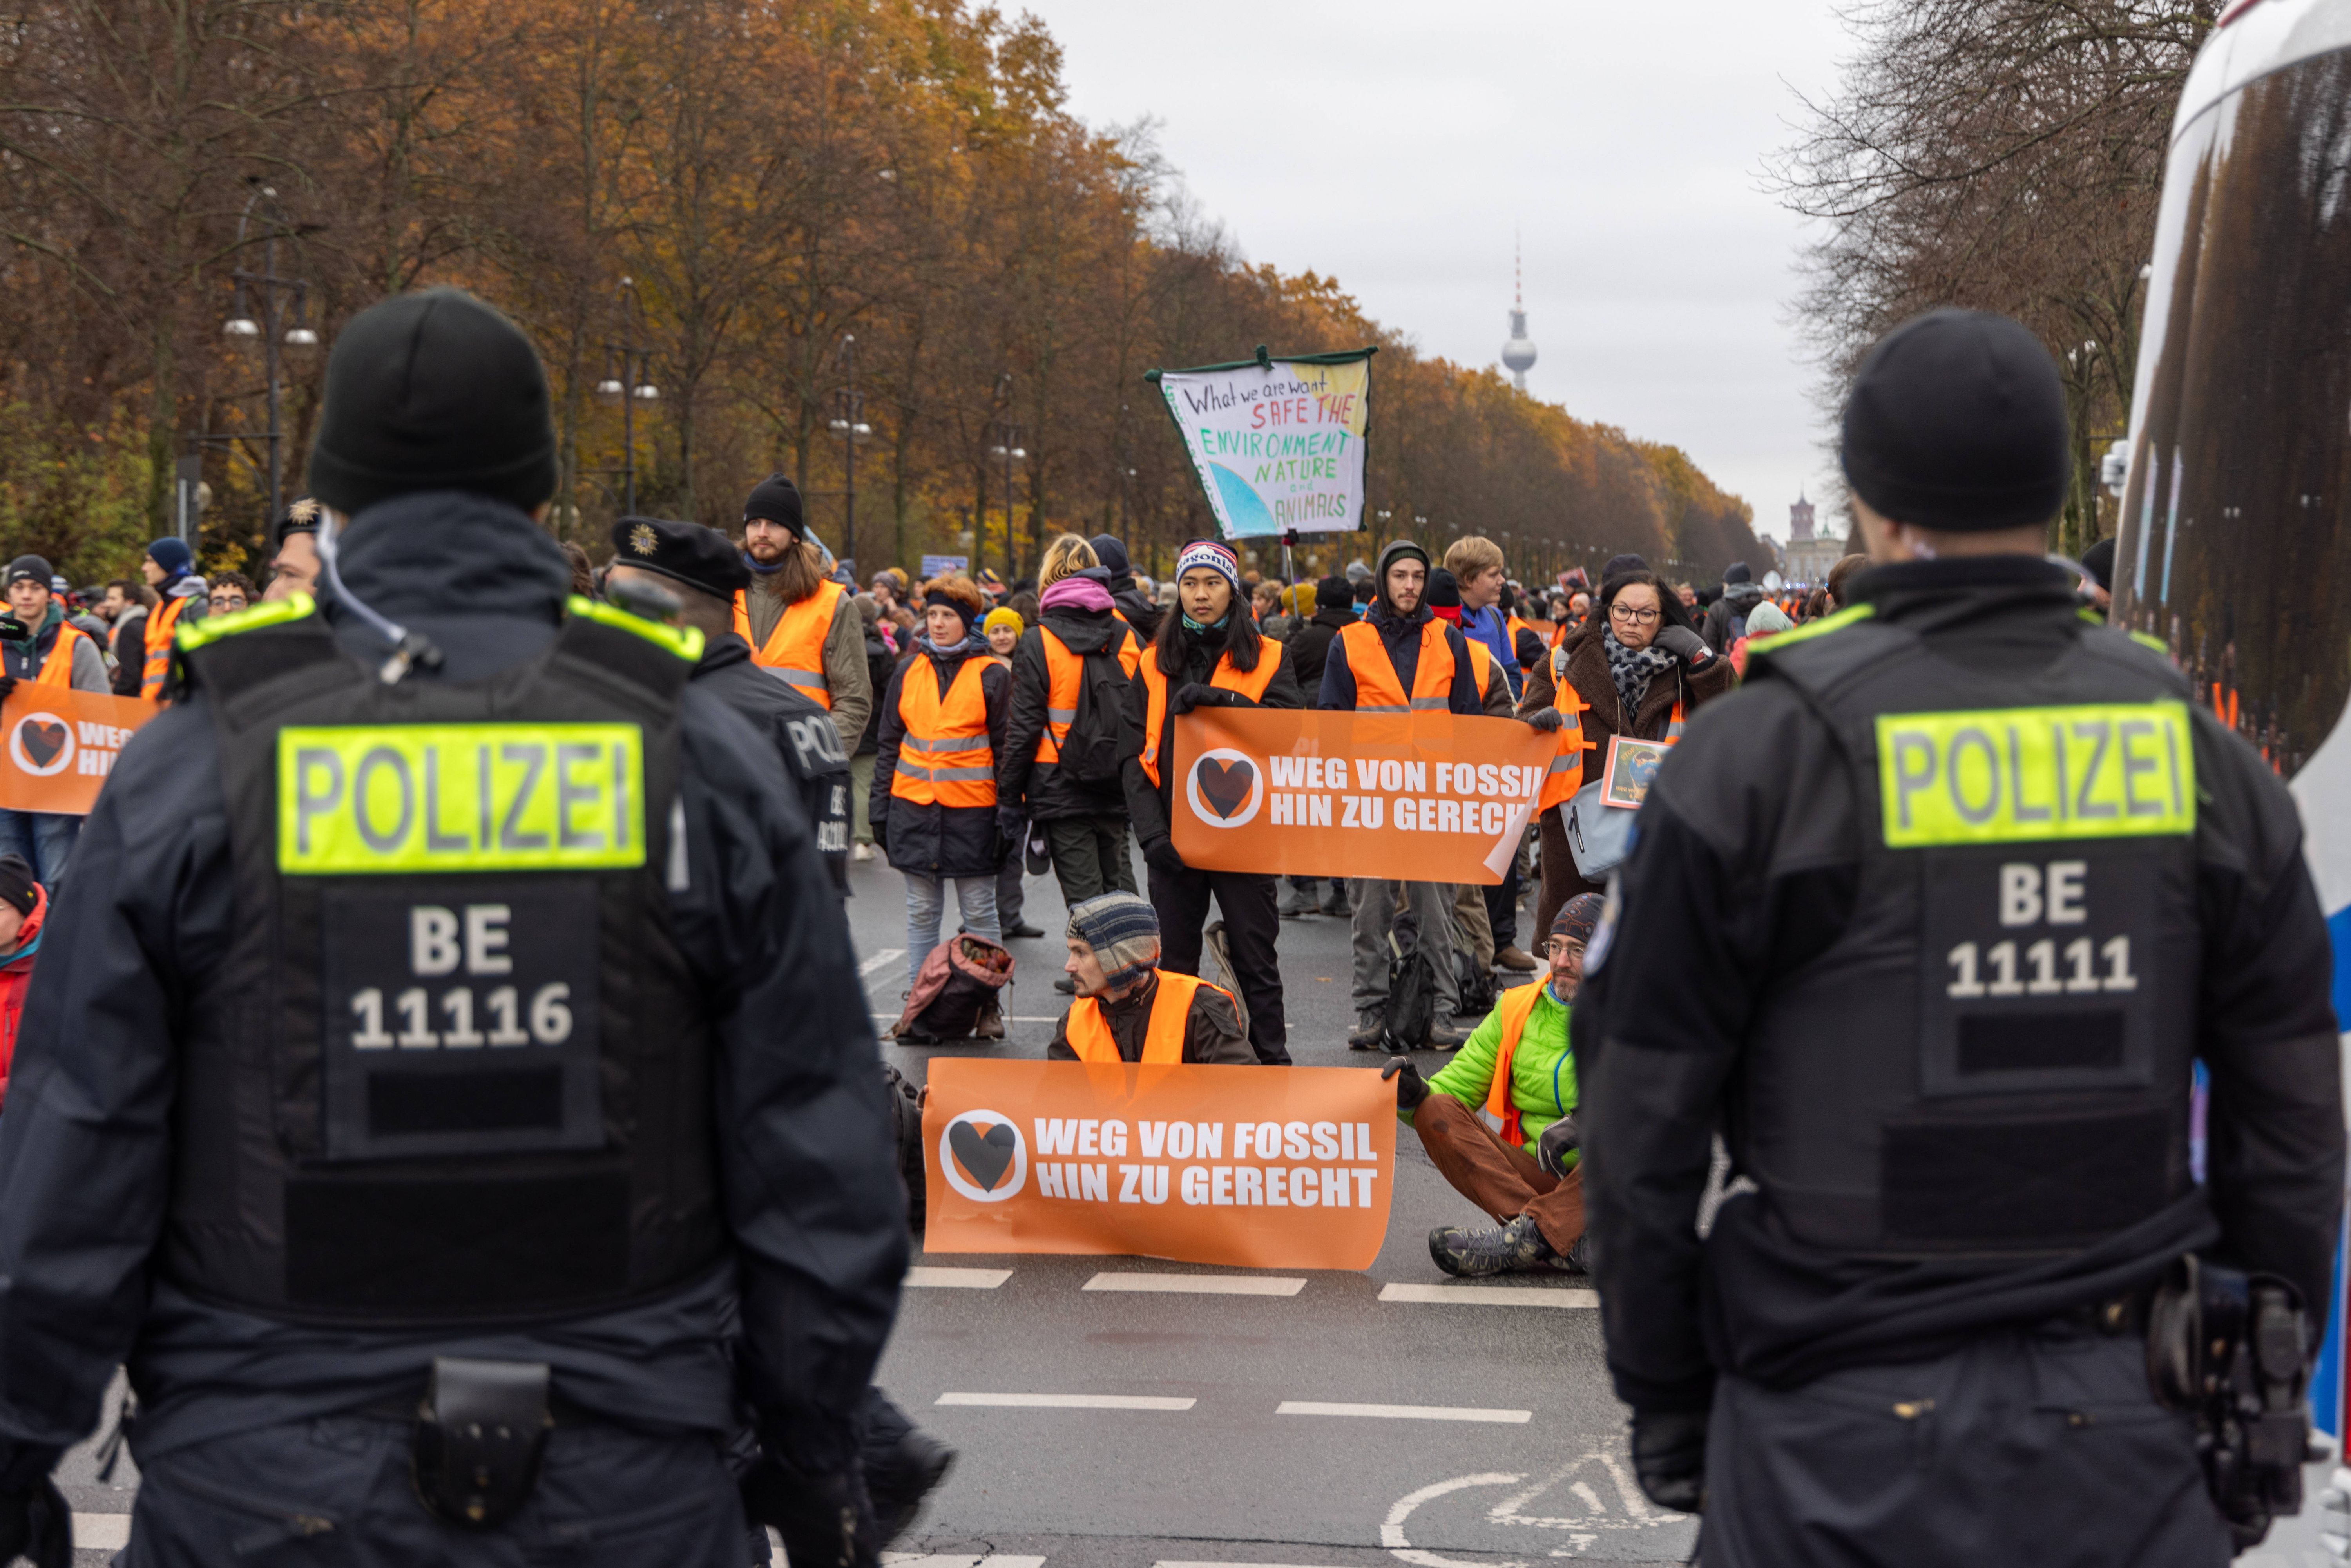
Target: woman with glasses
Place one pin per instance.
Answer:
(231, 592)
(1641, 669)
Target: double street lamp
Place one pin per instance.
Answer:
(850, 426)
(1004, 437)
(273, 312)
(627, 382)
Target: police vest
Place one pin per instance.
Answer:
(1377, 689)
(57, 670)
(452, 1067)
(1089, 1035)
(794, 651)
(1992, 1059)
(945, 758)
(1064, 677)
(1226, 677)
(156, 635)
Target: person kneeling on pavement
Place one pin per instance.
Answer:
(1499, 1121)
(1128, 1009)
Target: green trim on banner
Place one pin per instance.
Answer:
(1267, 360)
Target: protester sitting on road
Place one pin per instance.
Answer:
(1764, 622)
(933, 800)
(1640, 671)
(1209, 653)
(1398, 658)
(24, 907)
(1130, 1009)
(1484, 1115)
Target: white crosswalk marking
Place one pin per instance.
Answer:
(875, 962)
(1070, 1401)
(914, 1560)
(101, 1532)
(1489, 1296)
(1405, 1412)
(923, 1277)
(1199, 1284)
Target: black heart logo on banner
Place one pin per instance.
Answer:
(984, 1157)
(42, 741)
(1226, 785)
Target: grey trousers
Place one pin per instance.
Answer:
(1090, 857)
(2025, 1447)
(607, 1498)
(1431, 903)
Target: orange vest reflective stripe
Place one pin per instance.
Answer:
(162, 621)
(1163, 1043)
(1064, 674)
(1564, 776)
(795, 649)
(1515, 1007)
(1250, 683)
(1376, 687)
(57, 670)
(943, 758)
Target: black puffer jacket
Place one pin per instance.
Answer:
(1146, 803)
(938, 840)
(1309, 648)
(880, 663)
(1051, 795)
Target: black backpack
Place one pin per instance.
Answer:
(1476, 997)
(907, 1124)
(1103, 733)
(1410, 1011)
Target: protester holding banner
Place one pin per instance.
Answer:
(1209, 654)
(1635, 654)
(1131, 1009)
(1310, 650)
(37, 646)
(933, 801)
(1397, 659)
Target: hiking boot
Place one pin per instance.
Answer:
(1579, 1256)
(989, 1024)
(1336, 904)
(1024, 929)
(1066, 986)
(898, 1485)
(1295, 901)
(1370, 1029)
(1517, 962)
(1447, 1037)
(1517, 1248)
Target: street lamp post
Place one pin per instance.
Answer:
(297, 341)
(632, 385)
(1006, 437)
(854, 429)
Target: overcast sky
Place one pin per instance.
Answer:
(1397, 144)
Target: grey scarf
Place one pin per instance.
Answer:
(1632, 669)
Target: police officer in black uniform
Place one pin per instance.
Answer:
(1933, 921)
(700, 570)
(442, 1093)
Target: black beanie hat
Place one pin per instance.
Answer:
(2098, 560)
(1443, 591)
(433, 391)
(777, 500)
(1958, 422)
(17, 886)
(1334, 593)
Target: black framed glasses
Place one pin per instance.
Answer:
(1626, 613)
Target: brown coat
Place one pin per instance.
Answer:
(1212, 1029)
(1604, 716)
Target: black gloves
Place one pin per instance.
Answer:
(1411, 1087)
(1161, 856)
(7, 684)
(881, 825)
(1559, 1140)
(1192, 695)
(13, 631)
(1011, 822)
(1685, 645)
(1669, 1457)
(825, 1521)
(37, 1523)
(1548, 720)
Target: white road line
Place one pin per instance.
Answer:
(1200, 1284)
(1009, 1018)
(916, 1560)
(101, 1532)
(923, 1277)
(1070, 1401)
(1172, 1564)
(875, 962)
(1489, 1296)
(1405, 1412)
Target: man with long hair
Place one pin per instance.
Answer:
(803, 628)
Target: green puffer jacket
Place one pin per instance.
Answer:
(1543, 1070)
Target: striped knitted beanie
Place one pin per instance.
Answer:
(1124, 931)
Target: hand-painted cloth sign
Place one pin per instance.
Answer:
(1278, 444)
(1254, 1167)
(60, 745)
(1418, 796)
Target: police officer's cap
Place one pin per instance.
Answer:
(700, 557)
(1958, 422)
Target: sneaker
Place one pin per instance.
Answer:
(1370, 1029)
(1517, 962)
(1337, 903)
(861, 852)
(1295, 902)
(1024, 929)
(1517, 1248)
(1066, 986)
(1579, 1257)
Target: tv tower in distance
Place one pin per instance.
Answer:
(1519, 353)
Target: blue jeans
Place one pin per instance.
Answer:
(43, 840)
(926, 900)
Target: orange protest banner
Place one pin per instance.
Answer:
(1417, 796)
(61, 745)
(1256, 1167)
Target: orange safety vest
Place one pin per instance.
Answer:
(1250, 683)
(57, 670)
(1564, 776)
(1481, 662)
(943, 758)
(795, 649)
(1064, 673)
(1513, 626)
(1516, 1006)
(1376, 687)
(162, 621)
(1163, 1043)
